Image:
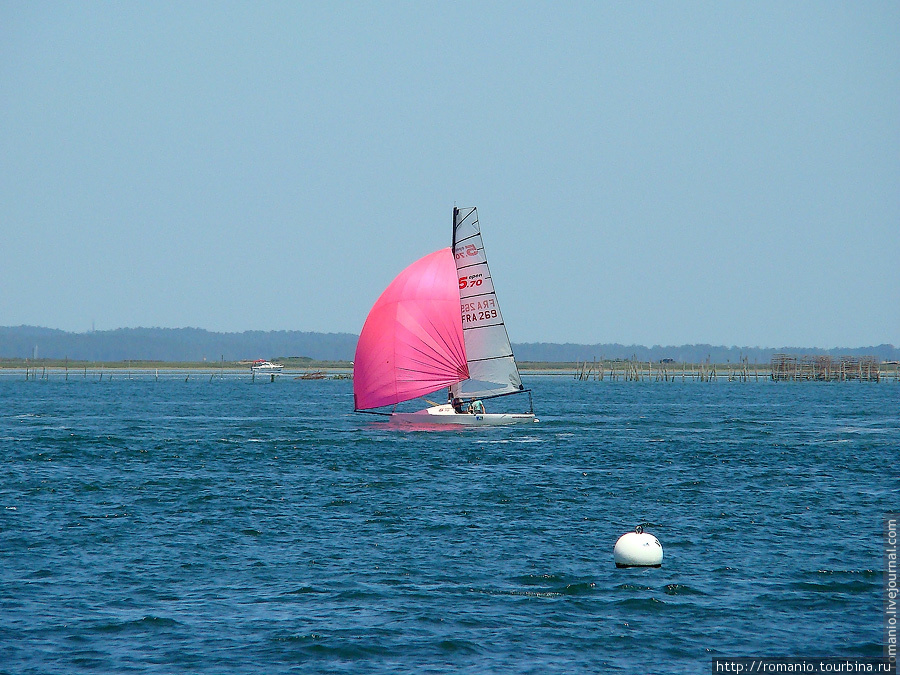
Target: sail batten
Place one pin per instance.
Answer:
(491, 358)
(462, 267)
(489, 325)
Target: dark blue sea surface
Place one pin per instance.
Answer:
(214, 525)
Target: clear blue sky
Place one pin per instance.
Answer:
(651, 173)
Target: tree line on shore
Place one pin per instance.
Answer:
(197, 344)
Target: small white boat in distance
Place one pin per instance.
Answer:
(263, 367)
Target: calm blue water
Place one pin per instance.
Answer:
(209, 527)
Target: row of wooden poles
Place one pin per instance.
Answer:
(632, 370)
(781, 369)
(787, 367)
(31, 373)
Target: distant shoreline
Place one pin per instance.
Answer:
(227, 366)
(140, 364)
(309, 369)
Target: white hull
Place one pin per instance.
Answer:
(266, 368)
(445, 414)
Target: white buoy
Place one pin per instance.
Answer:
(638, 549)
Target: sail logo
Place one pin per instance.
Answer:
(471, 281)
(466, 252)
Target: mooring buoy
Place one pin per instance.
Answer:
(638, 549)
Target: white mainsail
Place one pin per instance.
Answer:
(492, 368)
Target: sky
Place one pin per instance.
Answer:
(645, 173)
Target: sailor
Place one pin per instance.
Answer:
(477, 407)
(457, 404)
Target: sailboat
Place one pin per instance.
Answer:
(438, 326)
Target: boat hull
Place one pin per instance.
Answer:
(446, 415)
(265, 367)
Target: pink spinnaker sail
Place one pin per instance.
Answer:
(412, 342)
